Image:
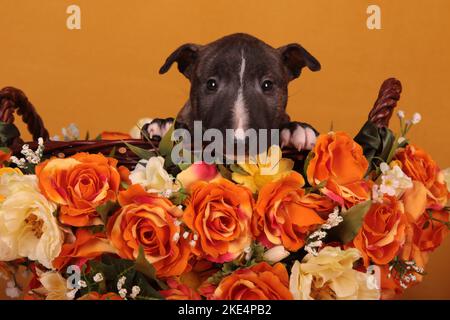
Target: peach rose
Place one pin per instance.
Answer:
(339, 162)
(219, 213)
(259, 282)
(84, 246)
(419, 166)
(149, 221)
(281, 216)
(179, 291)
(79, 184)
(200, 171)
(383, 232)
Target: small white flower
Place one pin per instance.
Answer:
(192, 243)
(123, 293)
(185, 235)
(195, 237)
(121, 282)
(82, 284)
(98, 277)
(135, 292)
(401, 114)
(401, 140)
(416, 118)
(176, 237)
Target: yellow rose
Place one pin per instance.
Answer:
(330, 276)
(28, 227)
(264, 168)
(151, 175)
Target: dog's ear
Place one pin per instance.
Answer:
(295, 58)
(184, 56)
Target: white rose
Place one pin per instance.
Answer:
(330, 275)
(28, 227)
(152, 176)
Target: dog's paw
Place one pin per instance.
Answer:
(157, 128)
(298, 135)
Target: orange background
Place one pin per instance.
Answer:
(104, 76)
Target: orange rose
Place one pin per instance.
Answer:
(179, 291)
(430, 231)
(79, 184)
(382, 233)
(259, 282)
(339, 162)
(85, 246)
(149, 221)
(283, 215)
(110, 135)
(419, 166)
(219, 214)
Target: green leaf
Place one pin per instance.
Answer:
(143, 266)
(140, 152)
(146, 268)
(307, 161)
(353, 219)
(166, 143)
(184, 166)
(105, 209)
(8, 132)
(376, 142)
(237, 169)
(112, 153)
(224, 172)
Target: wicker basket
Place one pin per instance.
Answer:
(14, 100)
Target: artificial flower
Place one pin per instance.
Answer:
(199, 171)
(28, 227)
(219, 214)
(152, 176)
(79, 184)
(263, 168)
(338, 166)
(82, 246)
(149, 221)
(330, 276)
(259, 282)
(419, 166)
(54, 286)
(179, 291)
(383, 231)
(280, 216)
(93, 295)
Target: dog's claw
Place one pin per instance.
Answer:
(298, 135)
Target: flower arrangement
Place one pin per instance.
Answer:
(357, 220)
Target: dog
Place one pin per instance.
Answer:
(240, 82)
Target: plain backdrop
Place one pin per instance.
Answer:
(105, 76)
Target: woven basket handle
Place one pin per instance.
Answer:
(13, 99)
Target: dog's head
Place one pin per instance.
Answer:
(239, 82)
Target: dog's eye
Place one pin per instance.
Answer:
(267, 85)
(211, 84)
